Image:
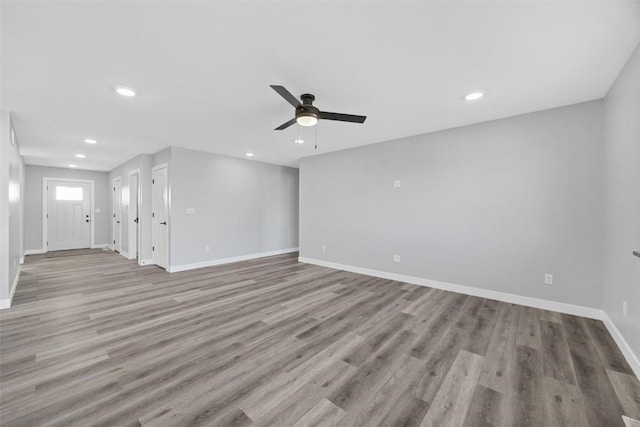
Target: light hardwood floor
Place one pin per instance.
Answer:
(94, 339)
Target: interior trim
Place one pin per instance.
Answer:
(35, 251)
(210, 263)
(6, 302)
(576, 310)
(624, 346)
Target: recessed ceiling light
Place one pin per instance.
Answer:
(298, 141)
(90, 141)
(80, 156)
(73, 166)
(248, 154)
(473, 96)
(125, 91)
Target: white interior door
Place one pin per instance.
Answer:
(117, 214)
(134, 219)
(160, 207)
(68, 215)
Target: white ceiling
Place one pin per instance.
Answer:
(203, 70)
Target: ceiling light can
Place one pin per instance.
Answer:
(125, 91)
(474, 96)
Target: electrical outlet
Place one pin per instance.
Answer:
(324, 248)
(397, 183)
(396, 258)
(624, 308)
(548, 279)
(207, 248)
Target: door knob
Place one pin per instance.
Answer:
(117, 222)
(164, 223)
(86, 220)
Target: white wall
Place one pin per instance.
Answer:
(493, 206)
(622, 201)
(11, 210)
(33, 202)
(143, 164)
(243, 207)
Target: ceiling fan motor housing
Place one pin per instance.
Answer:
(307, 98)
(307, 109)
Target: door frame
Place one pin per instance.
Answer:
(113, 215)
(45, 208)
(164, 166)
(135, 239)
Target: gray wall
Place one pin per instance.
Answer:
(11, 208)
(494, 205)
(33, 202)
(622, 201)
(143, 164)
(242, 206)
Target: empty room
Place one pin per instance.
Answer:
(320, 213)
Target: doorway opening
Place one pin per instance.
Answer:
(68, 214)
(160, 216)
(117, 215)
(134, 215)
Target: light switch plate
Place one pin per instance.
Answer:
(97, 210)
(397, 183)
(191, 211)
(548, 279)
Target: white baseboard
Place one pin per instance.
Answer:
(22, 260)
(211, 263)
(6, 302)
(631, 357)
(577, 310)
(145, 262)
(125, 254)
(101, 246)
(44, 251)
(35, 251)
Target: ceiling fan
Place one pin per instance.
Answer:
(308, 115)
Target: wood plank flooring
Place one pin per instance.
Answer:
(95, 339)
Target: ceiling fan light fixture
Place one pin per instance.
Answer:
(307, 115)
(307, 120)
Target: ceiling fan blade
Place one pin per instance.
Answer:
(286, 95)
(342, 117)
(286, 125)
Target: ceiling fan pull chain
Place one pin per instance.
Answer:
(316, 138)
